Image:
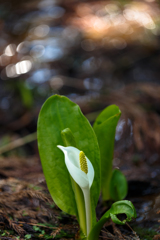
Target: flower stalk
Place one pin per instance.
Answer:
(86, 191)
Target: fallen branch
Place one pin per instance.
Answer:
(18, 142)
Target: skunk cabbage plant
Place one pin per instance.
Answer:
(70, 158)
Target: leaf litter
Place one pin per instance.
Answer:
(27, 210)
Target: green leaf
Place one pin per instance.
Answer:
(57, 114)
(35, 228)
(28, 236)
(105, 127)
(120, 207)
(118, 185)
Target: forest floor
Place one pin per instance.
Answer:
(28, 212)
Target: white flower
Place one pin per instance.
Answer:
(72, 162)
(75, 160)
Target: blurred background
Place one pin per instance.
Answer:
(96, 53)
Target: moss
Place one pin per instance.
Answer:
(145, 233)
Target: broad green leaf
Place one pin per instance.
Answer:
(120, 207)
(105, 127)
(57, 114)
(118, 185)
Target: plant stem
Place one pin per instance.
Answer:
(87, 200)
(80, 206)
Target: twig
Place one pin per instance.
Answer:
(131, 229)
(38, 225)
(117, 231)
(18, 143)
(111, 236)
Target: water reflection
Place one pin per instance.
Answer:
(91, 64)
(141, 18)
(93, 83)
(56, 12)
(11, 71)
(118, 43)
(47, 4)
(22, 67)
(100, 19)
(53, 52)
(4, 60)
(48, 38)
(41, 30)
(23, 47)
(56, 83)
(10, 50)
(40, 76)
(37, 51)
(121, 128)
(52, 37)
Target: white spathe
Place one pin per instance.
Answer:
(72, 163)
(81, 178)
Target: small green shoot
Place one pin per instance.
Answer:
(27, 236)
(36, 229)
